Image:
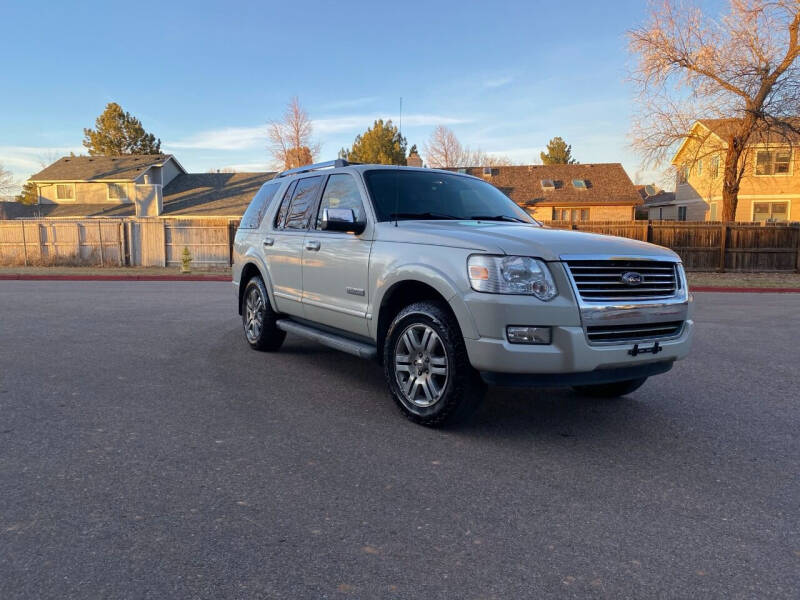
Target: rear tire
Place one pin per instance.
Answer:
(611, 390)
(426, 366)
(258, 318)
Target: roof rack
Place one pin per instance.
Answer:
(334, 164)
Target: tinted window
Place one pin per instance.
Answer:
(341, 191)
(255, 212)
(432, 195)
(302, 203)
(280, 217)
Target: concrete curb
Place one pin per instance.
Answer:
(54, 277)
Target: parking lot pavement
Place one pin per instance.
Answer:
(146, 452)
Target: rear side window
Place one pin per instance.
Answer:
(302, 203)
(258, 207)
(280, 217)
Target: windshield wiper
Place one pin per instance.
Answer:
(496, 218)
(423, 215)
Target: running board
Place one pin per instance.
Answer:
(331, 340)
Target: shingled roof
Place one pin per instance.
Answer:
(782, 132)
(99, 168)
(189, 195)
(605, 184)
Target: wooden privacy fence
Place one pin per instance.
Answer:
(143, 242)
(160, 242)
(711, 246)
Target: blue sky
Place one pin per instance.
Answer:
(206, 77)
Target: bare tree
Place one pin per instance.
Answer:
(290, 138)
(444, 150)
(7, 184)
(741, 67)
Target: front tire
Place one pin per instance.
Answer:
(426, 366)
(611, 390)
(258, 318)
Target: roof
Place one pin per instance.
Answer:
(100, 168)
(606, 184)
(659, 198)
(212, 194)
(188, 195)
(783, 132)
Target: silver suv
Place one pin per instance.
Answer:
(450, 285)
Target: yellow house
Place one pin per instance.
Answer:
(769, 189)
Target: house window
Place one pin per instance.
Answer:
(683, 173)
(715, 167)
(713, 216)
(117, 191)
(548, 184)
(681, 213)
(579, 184)
(773, 162)
(570, 214)
(699, 168)
(65, 191)
(770, 212)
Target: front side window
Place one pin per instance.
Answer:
(773, 162)
(302, 202)
(341, 191)
(258, 207)
(407, 195)
(116, 191)
(65, 191)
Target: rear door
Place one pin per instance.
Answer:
(283, 245)
(336, 264)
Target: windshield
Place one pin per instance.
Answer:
(406, 195)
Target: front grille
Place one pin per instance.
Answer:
(633, 333)
(599, 280)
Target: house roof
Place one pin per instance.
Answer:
(212, 194)
(788, 131)
(189, 195)
(606, 184)
(658, 198)
(100, 168)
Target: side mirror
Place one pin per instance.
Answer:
(341, 219)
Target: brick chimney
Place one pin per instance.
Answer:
(414, 160)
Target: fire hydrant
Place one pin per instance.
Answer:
(186, 261)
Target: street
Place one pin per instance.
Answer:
(147, 452)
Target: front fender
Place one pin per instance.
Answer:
(434, 276)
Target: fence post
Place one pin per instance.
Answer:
(797, 255)
(649, 237)
(100, 237)
(164, 234)
(723, 244)
(24, 245)
(231, 235)
(121, 242)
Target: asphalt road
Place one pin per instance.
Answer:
(147, 452)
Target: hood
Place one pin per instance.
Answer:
(516, 239)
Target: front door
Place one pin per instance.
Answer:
(336, 264)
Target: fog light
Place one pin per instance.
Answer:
(529, 335)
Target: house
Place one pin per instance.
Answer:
(769, 190)
(659, 205)
(136, 185)
(579, 192)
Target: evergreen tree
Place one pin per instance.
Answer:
(380, 144)
(558, 153)
(118, 133)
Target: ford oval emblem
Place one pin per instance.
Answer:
(631, 278)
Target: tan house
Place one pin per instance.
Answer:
(769, 190)
(581, 192)
(144, 185)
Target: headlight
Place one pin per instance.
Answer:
(511, 275)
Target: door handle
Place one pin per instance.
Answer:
(312, 245)
(268, 241)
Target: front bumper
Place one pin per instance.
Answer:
(570, 352)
